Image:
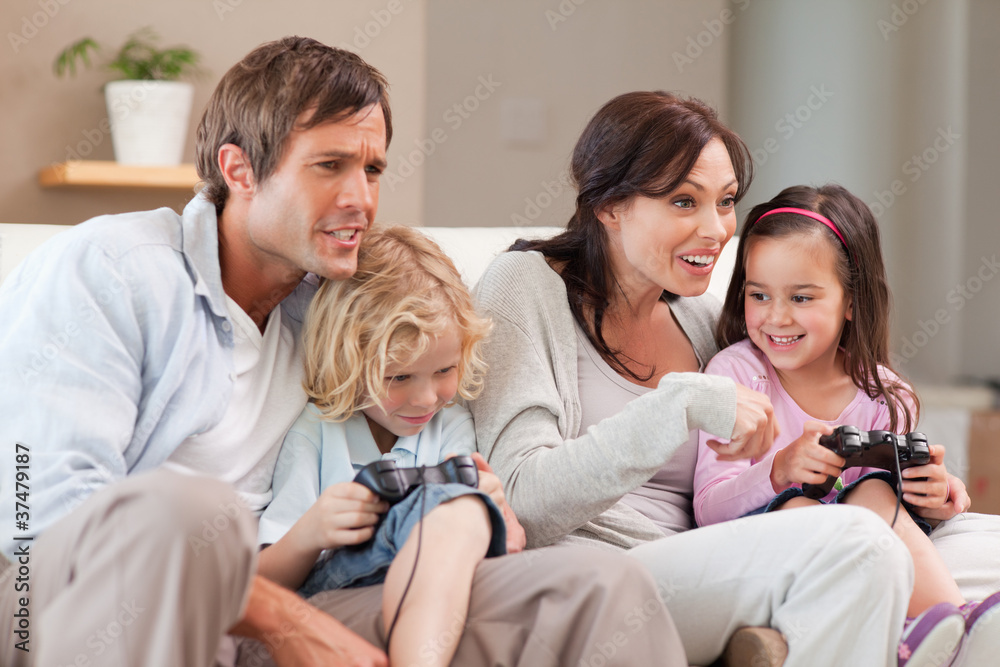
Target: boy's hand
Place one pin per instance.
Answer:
(933, 491)
(490, 484)
(805, 461)
(345, 513)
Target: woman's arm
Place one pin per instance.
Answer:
(527, 417)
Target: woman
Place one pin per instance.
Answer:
(593, 399)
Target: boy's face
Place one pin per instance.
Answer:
(311, 213)
(419, 389)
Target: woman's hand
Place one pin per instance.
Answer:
(755, 430)
(490, 484)
(942, 495)
(805, 461)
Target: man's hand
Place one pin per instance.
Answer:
(805, 461)
(297, 634)
(755, 430)
(490, 484)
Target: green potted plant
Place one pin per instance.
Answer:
(148, 107)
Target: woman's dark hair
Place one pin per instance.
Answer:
(861, 271)
(638, 144)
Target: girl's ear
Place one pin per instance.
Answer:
(849, 315)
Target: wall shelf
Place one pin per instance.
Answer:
(96, 173)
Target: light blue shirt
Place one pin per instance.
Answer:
(115, 346)
(318, 453)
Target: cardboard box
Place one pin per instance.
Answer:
(984, 462)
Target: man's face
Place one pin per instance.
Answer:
(311, 213)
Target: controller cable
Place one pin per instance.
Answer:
(416, 558)
(899, 479)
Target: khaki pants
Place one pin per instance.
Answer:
(150, 571)
(153, 570)
(572, 606)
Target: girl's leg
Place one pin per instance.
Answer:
(833, 580)
(455, 538)
(933, 583)
(799, 501)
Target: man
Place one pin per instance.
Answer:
(151, 366)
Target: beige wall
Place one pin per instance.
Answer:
(563, 58)
(43, 115)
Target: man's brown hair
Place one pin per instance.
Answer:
(259, 100)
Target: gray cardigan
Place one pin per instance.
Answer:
(564, 485)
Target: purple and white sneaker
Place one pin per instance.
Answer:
(982, 633)
(932, 638)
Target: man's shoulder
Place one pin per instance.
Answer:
(118, 234)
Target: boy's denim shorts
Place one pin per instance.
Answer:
(366, 564)
(795, 492)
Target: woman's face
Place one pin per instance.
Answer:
(672, 243)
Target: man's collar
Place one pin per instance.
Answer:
(200, 245)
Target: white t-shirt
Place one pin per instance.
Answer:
(267, 398)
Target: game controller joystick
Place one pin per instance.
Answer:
(393, 483)
(871, 449)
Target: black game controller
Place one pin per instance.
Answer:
(871, 449)
(392, 483)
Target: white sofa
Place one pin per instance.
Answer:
(946, 411)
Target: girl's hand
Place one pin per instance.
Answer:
(345, 513)
(958, 501)
(933, 492)
(490, 484)
(805, 461)
(755, 430)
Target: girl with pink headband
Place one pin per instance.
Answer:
(806, 322)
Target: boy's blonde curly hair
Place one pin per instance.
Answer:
(405, 292)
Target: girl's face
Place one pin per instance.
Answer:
(795, 306)
(672, 243)
(418, 389)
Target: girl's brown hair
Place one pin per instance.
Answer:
(405, 292)
(638, 144)
(861, 271)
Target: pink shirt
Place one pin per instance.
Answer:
(725, 490)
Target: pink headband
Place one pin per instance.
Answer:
(809, 214)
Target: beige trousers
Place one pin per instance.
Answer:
(151, 570)
(572, 606)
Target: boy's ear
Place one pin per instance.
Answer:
(236, 169)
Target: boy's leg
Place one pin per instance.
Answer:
(834, 580)
(150, 570)
(574, 606)
(442, 556)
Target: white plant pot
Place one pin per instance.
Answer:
(149, 120)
